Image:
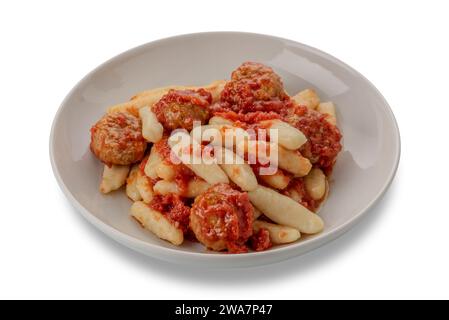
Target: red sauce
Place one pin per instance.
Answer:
(163, 148)
(260, 241)
(173, 208)
(297, 184)
(244, 119)
(130, 130)
(198, 97)
(143, 164)
(223, 215)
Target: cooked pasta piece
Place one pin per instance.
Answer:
(288, 136)
(157, 223)
(164, 187)
(279, 180)
(165, 171)
(220, 120)
(293, 162)
(293, 194)
(150, 97)
(113, 177)
(215, 88)
(210, 133)
(278, 234)
(283, 210)
(145, 187)
(194, 188)
(131, 184)
(315, 183)
(289, 160)
(219, 135)
(237, 170)
(308, 98)
(329, 109)
(210, 172)
(257, 213)
(152, 164)
(152, 130)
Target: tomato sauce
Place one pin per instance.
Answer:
(260, 241)
(143, 164)
(224, 215)
(173, 208)
(298, 185)
(244, 119)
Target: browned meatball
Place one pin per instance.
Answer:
(179, 108)
(253, 87)
(323, 138)
(253, 70)
(117, 139)
(222, 218)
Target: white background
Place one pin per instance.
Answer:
(400, 250)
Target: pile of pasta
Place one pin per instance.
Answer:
(227, 206)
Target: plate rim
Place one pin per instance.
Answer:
(160, 252)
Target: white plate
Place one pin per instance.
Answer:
(364, 170)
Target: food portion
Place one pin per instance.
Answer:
(180, 108)
(116, 139)
(237, 165)
(323, 137)
(253, 87)
(222, 218)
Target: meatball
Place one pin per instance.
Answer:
(323, 138)
(179, 108)
(253, 70)
(253, 87)
(117, 139)
(222, 218)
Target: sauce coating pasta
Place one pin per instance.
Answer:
(174, 209)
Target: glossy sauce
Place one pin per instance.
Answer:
(260, 241)
(224, 215)
(173, 208)
(180, 108)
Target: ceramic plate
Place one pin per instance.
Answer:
(364, 169)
